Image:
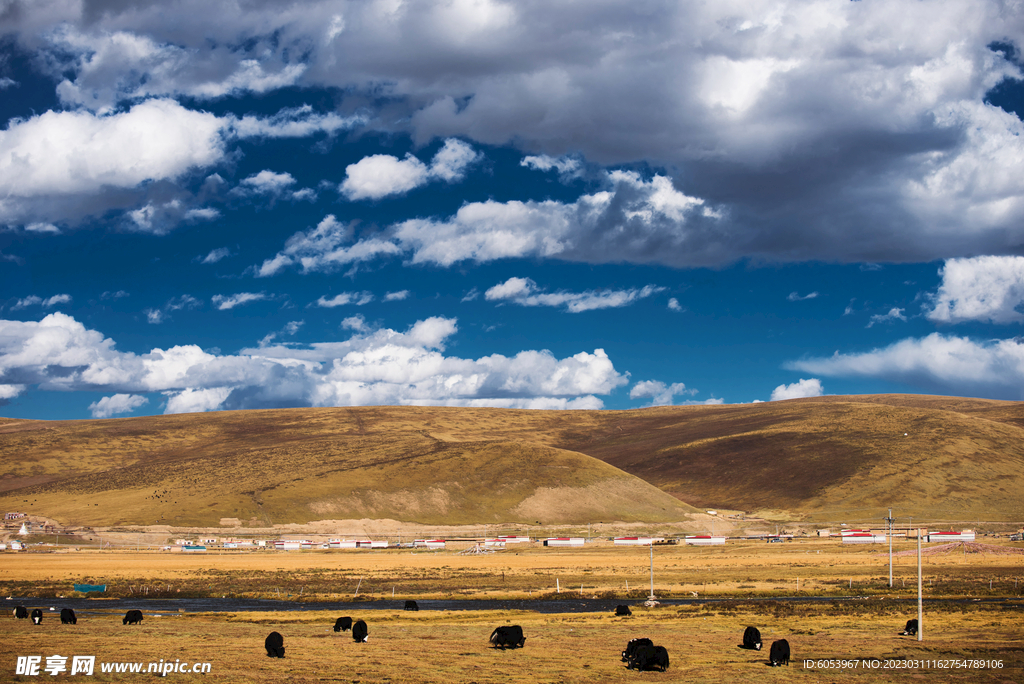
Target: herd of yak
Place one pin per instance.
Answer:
(640, 654)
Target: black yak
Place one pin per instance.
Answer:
(632, 646)
(359, 632)
(648, 657)
(274, 644)
(67, 617)
(132, 617)
(510, 636)
(343, 624)
(752, 638)
(779, 654)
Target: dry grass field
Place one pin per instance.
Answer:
(451, 646)
(824, 459)
(739, 569)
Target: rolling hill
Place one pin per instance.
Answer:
(821, 459)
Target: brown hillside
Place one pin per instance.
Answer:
(432, 466)
(828, 458)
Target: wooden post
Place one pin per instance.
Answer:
(652, 570)
(920, 601)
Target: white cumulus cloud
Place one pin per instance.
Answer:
(77, 152)
(345, 298)
(381, 175)
(659, 393)
(216, 255)
(988, 288)
(819, 130)
(894, 314)
(810, 387)
(326, 248)
(224, 302)
(268, 182)
(59, 166)
(116, 404)
(635, 221)
(567, 167)
(938, 363)
(35, 300)
(374, 366)
(524, 291)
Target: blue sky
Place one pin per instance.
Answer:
(480, 203)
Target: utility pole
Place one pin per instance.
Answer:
(888, 526)
(652, 570)
(920, 602)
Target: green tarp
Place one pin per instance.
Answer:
(90, 587)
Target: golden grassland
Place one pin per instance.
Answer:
(740, 569)
(451, 646)
(822, 459)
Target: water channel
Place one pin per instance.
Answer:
(167, 607)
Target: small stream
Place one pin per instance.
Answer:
(84, 606)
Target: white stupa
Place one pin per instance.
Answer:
(24, 530)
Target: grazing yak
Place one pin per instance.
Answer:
(623, 611)
(910, 629)
(21, 612)
(37, 616)
(132, 617)
(411, 605)
(632, 646)
(360, 632)
(752, 639)
(648, 657)
(274, 644)
(343, 624)
(508, 636)
(779, 654)
(67, 617)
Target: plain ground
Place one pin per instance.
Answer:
(817, 567)
(451, 646)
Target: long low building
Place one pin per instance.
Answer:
(565, 541)
(703, 540)
(429, 543)
(863, 538)
(637, 541)
(513, 539)
(358, 544)
(950, 536)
